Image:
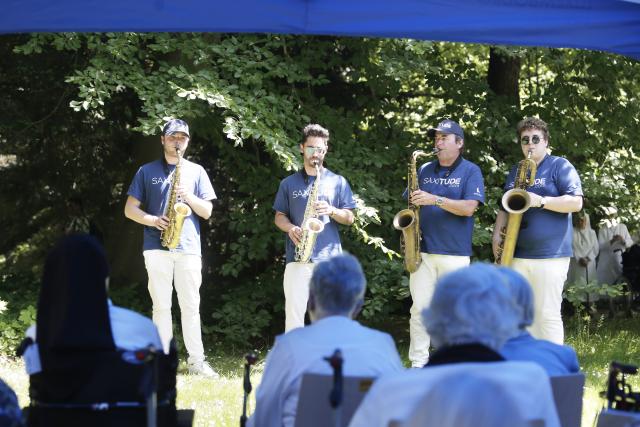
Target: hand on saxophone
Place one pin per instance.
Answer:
(183, 194)
(295, 234)
(536, 199)
(422, 198)
(161, 222)
(323, 208)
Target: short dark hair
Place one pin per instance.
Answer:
(533, 123)
(314, 130)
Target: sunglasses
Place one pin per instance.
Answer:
(310, 151)
(535, 139)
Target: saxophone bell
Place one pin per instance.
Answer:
(516, 202)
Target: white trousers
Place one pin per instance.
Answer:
(422, 284)
(184, 271)
(547, 277)
(297, 276)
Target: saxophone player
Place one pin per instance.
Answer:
(294, 201)
(543, 247)
(450, 190)
(153, 187)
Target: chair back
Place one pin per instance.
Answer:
(567, 395)
(616, 418)
(102, 389)
(314, 409)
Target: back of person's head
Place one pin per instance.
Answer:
(72, 307)
(337, 287)
(521, 293)
(10, 413)
(472, 305)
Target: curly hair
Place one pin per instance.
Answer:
(533, 123)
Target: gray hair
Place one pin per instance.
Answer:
(472, 305)
(521, 293)
(338, 284)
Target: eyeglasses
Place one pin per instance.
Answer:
(535, 139)
(310, 151)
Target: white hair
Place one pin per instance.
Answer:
(472, 305)
(338, 284)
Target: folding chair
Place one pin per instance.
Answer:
(111, 388)
(567, 395)
(314, 409)
(616, 418)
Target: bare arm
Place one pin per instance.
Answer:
(202, 208)
(456, 207)
(342, 216)
(133, 212)
(562, 204)
(282, 221)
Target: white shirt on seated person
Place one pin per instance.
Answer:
(130, 331)
(395, 397)
(365, 351)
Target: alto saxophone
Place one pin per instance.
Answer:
(408, 220)
(311, 225)
(176, 211)
(516, 202)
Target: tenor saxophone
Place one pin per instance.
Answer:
(516, 202)
(408, 220)
(176, 211)
(311, 225)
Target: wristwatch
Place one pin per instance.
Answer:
(439, 201)
(543, 201)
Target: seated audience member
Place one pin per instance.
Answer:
(73, 308)
(554, 358)
(470, 317)
(10, 413)
(472, 400)
(336, 295)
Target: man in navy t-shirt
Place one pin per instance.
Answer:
(450, 190)
(543, 249)
(181, 267)
(332, 207)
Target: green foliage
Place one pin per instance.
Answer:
(103, 97)
(578, 293)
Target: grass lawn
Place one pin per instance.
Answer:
(219, 402)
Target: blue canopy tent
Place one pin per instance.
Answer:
(609, 25)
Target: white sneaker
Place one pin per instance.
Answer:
(202, 369)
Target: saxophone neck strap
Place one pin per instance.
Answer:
(166, 167)
(305, 175)
(450, 169)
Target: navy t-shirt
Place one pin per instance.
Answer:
(291, 200)
(443, 232)
(151, 185)
(544, 233)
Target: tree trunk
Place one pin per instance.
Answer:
(504, 75)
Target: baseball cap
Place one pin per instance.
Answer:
(175, 125)
(446, 126)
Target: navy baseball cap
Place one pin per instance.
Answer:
(175, 125)
(446, 126)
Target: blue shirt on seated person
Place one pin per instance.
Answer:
(554, 358)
